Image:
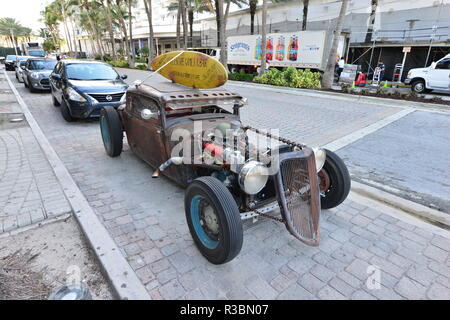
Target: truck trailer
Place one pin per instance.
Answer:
(300, 49)
(33, 49)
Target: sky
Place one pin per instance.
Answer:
(27, 12)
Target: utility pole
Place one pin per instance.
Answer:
(14, 43)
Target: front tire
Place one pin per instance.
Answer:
(334, 181)
(112, 132)
(418, 86)
(65, 112)
(214, 220)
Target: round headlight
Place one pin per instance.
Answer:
(34, 75)
(320, 156)
(253, 177)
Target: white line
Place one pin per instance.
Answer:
(118, 271)
(356, 135)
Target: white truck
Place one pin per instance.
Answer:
(434, 77)
(33, 49)
(300, 49)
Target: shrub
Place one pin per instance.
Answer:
(98, 57)
(119, 64)
(241, 76)
(290, 77)
(140, 60)
(141, 66)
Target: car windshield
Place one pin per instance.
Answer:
(42, 64)
(91, 71)
(10, 57)
(22, 58)
(36, 53)
(23, 62)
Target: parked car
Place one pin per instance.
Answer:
(434, 77)
(20, 67)
(9, 62)
(82, 88)
(227, 179)
(36, 75)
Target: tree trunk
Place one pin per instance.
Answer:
(66, 29)
(263, 38)
(218, 19)
(252, 4)
(110, 29)
(72, 23)
(328, 76)
(191, 26)
(223, 49)
(123, 27)
(178, 28)
(374, 4)
(184, 21)
(130, 18)
(148, 10)
(305, 14)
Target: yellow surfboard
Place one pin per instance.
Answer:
(192, 69)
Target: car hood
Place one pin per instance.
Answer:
(43, 73)
(418, 70)
(99, 86)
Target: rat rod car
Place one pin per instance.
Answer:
(226, 179)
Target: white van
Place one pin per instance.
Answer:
(435, 77)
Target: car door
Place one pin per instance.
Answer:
(145, 136)
(26, 72)
(438, 78)
(56, 84)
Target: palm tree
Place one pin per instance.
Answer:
(10, 27)
(130, 27)
(121, 16)
(110, 27)
(89, 8)
(263, 37)
(374, 5)
(328, 76)
(253, 4)
(183, 9)
(148, 10)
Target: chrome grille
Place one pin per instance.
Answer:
(102, 97)
(298, 193)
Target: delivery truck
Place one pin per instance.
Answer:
(33, 49)
(300, 49)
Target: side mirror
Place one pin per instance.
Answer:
(56, 76)
(433, 65)
(123, 77)
(147, 114)
(22, 67)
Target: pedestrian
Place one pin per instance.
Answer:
(341, 65)
(382, 68)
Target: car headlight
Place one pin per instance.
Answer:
(34, 75)
(320, 156)
(409, 74)
(253, 177)
(74, 96)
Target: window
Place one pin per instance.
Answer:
(42, 64)
(443, 64)
(167, 46)
(91, 71)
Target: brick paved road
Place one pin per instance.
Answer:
(146, 218)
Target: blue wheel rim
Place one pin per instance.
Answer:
(204, 238)
(105, 132)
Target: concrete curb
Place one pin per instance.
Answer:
(117, 270)
(422, 212)
(347, 97)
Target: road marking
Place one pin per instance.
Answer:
(118, 271)
(358, 134)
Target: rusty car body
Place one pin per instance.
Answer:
(227, 175)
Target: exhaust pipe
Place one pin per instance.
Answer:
(165, 165)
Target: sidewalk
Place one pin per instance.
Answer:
(29, 190)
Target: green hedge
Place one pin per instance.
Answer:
(290, 77)
(119, 64)
(241, 76)
(141, 67)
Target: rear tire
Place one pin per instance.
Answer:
(112, 131)
(335, 181)
(65, 112)
(214, 220)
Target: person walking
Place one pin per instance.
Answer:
(341, 65)
(382, 69)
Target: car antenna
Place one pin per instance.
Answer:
(137, 83)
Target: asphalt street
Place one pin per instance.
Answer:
(408, 157)
(146, 218)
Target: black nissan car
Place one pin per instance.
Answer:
(83, 87)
